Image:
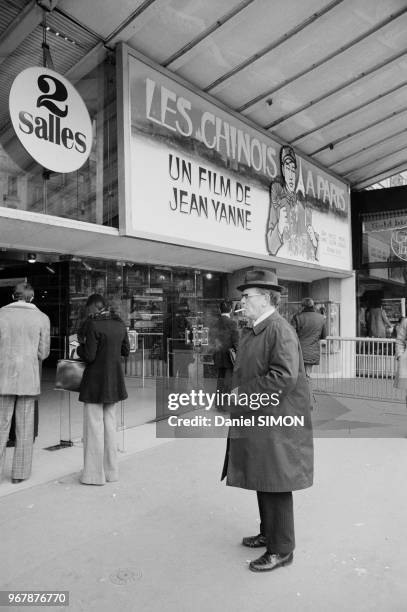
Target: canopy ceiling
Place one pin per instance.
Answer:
(328, 77)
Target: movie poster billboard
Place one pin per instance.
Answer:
(197, 175)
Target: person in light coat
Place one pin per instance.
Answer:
(272, 460)
(24, 343)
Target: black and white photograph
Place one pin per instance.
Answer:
(203, 328)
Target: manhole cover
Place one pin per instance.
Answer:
(124, 576)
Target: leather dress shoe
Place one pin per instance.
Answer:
(17, 480)
(256, 541)
(270, 561)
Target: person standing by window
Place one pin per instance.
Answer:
(310, 327)
(104, 341)
(24, 343)
(225, 337)
(400, 379)
(378, 323)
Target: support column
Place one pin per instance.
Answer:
(339, 360)
(343, 292)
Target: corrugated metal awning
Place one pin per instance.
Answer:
(327, 76)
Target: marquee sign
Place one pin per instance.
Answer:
(199, 176)
(50, 119)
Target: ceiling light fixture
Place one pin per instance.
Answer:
(32, 258)
(61, 35)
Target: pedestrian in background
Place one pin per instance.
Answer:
(272, 460)
(177, 335)
(378, 323)
(225, 337)
(400, 379)
(104, 342)
(310, 328)
(24, 343)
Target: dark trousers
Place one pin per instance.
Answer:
(277, 521)
(224, 385)
(224, 382)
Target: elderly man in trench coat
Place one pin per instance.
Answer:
(273, 460)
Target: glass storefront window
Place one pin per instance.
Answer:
(384, 237)
(89, 194)
(382, 279)
(170, 310)
(150, 299)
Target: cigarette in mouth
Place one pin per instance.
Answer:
(240, 310)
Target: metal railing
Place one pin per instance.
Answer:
(359, 367)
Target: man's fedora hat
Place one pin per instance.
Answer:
(264, 279)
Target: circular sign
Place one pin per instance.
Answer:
(50, 119)
(399, 242)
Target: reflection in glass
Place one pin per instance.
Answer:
(89, 194)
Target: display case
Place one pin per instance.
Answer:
(147, 310)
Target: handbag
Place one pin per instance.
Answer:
(69, 374)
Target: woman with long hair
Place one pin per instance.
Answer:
(104, 341)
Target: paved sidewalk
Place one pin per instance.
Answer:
(335, 417)
(166, 537)
(352, 417)
(51, 465)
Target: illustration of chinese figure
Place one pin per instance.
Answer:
(289, 228)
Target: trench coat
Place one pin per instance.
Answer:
(310, 328)
(24, 342)
(271, 458)
(106, 340)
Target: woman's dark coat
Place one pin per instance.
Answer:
(271, 458)
(106, 340)
(310, 328)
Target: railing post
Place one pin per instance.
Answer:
(168, 357)
(142, 358)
